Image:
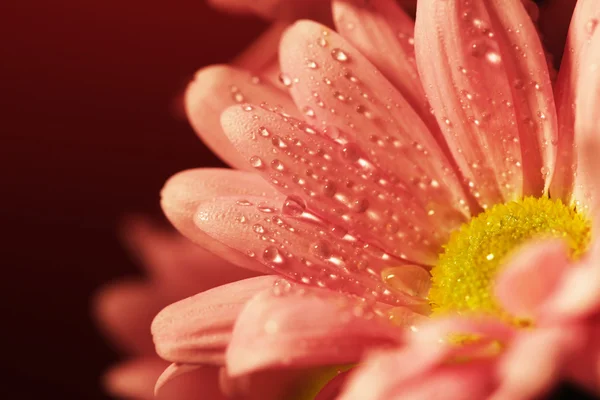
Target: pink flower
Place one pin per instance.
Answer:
(420, 199)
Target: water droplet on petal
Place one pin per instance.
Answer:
(293, 206)
(285, 80)
(321, 249)
(339, 55)
(311, 64)
(272, 255)
(258, 228)
(411, 279)
(256, 162)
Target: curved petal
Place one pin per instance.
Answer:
(178, 267)
(299, 246)
(197, 329)
(365, 115)
(185, 191)
(383, 32)
(124, 311)
(217, 87)
(304, 327)
(566, 179)
(531, 277)
(134, 379)
(587, 130)
(485, 75)
(412, 373)
(346, 189)
(523, 379)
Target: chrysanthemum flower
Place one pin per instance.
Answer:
(422, 193)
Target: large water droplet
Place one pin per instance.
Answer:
(285, 80)
(339, 55)
(293, 206)
(277, 165)
(256, 162)
(272, 255)
(321, 249)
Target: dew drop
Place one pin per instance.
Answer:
(591, 25)
(321, 249)
(350, 153)
(359, 205)
(264, 132)
(339, 55)
(272, 255)
(293, 206)
(309, 112)
(256, 162)
(311, 64)
(285, 80)
(277, 165)
(258, 228)
(329, 189)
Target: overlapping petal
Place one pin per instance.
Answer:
(198, 329)
(302, 327)
(566, 181)
(485, 74)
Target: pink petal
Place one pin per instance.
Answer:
(577, 295)
(134, 379)
(124, 311)
(197, 329)
(298, 245)
(344, 188)
(587, 131)
(577, 48)
(412, 279)
(531, 277)
(383, 32)
(522, 379)
(304, 327)
(178, 267)
(184, 192)
(485, 75)
(173, 371)
(438, 330)
(278, 384)
(358, 108)
(417, 373)
(213, 90)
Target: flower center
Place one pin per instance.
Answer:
(463, 279)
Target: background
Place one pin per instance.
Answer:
(90, 131)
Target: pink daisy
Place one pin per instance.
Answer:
(419, 197)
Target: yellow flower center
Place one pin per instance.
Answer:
(463, 279)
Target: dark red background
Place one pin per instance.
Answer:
(90, 132)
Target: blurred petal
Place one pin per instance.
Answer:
(522, 379)
(302, 328)
(178, 267)
(124, 311)
(485, 75)
(213, 90)
(185, 191)
(197, 329)
(566, 178)
(531, 276)
(134, 379)
(414, 373)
